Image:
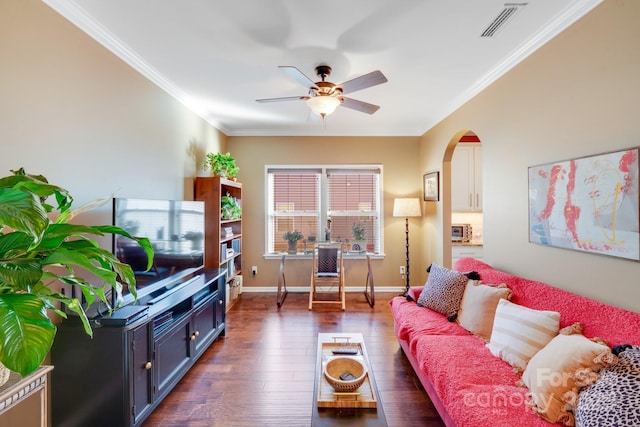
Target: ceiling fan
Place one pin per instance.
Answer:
(324, 97)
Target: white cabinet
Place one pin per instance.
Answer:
(465, 251)
(466, 178)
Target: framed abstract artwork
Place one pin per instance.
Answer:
(588, 204)
(431, 183)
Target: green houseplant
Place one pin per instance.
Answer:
(358, 231)
(292, 238)
(39, 251)
(359, 234)
(221, 164)
(230, 207)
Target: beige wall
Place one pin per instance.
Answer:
(576, 96)
(72, 111)
(401, 179)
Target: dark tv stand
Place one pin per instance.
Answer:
(119, 377)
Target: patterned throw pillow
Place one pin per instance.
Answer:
(614, 400)
(520, 332)
(443, 291)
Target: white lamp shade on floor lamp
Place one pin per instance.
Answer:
(406, 207)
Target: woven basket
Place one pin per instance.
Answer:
(341, 365)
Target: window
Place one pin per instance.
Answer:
(314, 200)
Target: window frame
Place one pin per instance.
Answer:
(323, 194)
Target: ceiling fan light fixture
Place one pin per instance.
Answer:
(323, 104)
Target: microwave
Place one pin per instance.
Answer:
(461, 232)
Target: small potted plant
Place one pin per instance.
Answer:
(292, 238)
(40, 251)
(222, 165)
(359, 234)
(230, 207)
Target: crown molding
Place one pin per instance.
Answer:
(80, 18)
(75, 14)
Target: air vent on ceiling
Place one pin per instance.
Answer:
(505, 14)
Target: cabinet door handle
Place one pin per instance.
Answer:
(196, 333)
(147, 366)
(477, 200)
(470, 200)
(220, 301)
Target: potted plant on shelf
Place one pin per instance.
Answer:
(230, 207)
(222, 165)
(359, 234)
(292, 238)
(40, 251)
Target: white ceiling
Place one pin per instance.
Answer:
(219, 56)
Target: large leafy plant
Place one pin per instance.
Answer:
(39, 251)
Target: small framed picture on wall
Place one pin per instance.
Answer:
(431, 182)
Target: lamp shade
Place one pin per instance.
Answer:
(323, 104)
(406, 207)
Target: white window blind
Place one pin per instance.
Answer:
(310, 200)
(294, 204)
(354, 197)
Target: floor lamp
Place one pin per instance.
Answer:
(406, 207)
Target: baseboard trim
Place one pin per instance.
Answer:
(302, 289)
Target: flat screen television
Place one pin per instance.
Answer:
(176, 231)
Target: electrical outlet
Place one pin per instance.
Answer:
(402, 270)
(254, 270)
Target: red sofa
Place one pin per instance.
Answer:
(467, 384)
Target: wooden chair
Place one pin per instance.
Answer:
(327, 275)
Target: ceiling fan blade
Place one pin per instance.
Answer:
(372, 79)
(298, 76)
(361, 106)
(286, 98)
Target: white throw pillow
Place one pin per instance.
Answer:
(520, 332)
(556, 374)
(478, 307)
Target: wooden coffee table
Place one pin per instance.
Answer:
(362, 408)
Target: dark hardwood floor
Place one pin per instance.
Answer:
(262, 372)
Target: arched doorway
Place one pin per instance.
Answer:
(462, 191)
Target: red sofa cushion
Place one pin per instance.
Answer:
(477, 388)
(411, 321)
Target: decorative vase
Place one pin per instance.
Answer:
(292, 247)
(4, 374)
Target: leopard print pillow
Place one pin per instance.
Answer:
(443, 290)
(613, 400)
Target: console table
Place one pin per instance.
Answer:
(18, 389)
(126, 370)
(282, 292)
